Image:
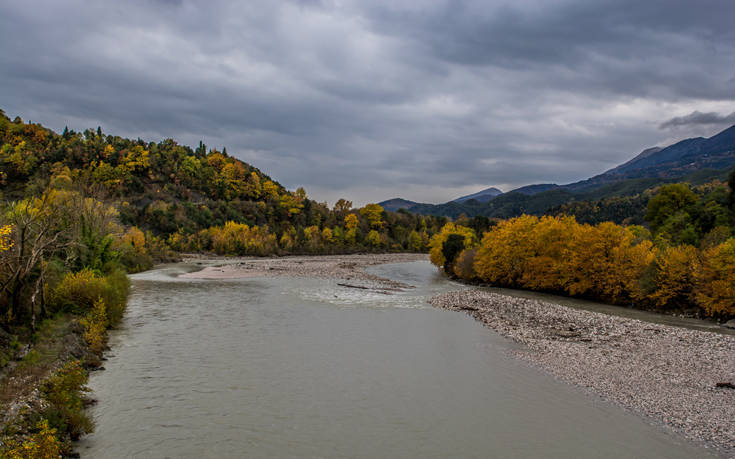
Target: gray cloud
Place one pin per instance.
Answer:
(698, 118)
(374, 99)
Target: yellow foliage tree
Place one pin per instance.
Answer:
(374, 215)
(436, 244)
(240, 239)
(675, 271)
(136, 238)
(557, 253)
(95, 327)
(548, 253)
(327, 235)
(351, 221)
(606, 262)
(136, 159)
(504, 250)
(715, 281)
(373, 239)
(270, 190)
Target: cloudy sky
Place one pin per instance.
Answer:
(373, 99)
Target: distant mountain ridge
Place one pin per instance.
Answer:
(695, 157)
(396, 204)
(481, 196)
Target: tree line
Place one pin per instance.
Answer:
(685, 259)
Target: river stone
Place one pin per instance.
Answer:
(729, 324)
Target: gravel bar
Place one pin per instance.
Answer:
(674, 376)
(339, 267)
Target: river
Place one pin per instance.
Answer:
(278, 367)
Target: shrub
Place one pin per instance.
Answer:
(95, 327)
(41, 445)
(63, 393)
(118, 289)
(78, 292)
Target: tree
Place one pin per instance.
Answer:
(373, 239)
(351, 221)
(374, 215)
(670, 200)
(342, 206)
(674, 278)
(450, 249)
(414, 241)
(436, 244)
(715, 281)
(39, 229)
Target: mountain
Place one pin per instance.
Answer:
(481, 196)
(396, 204)
(697, 160)
(530, 190)
(677, 160)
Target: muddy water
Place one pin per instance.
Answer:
(305, 368)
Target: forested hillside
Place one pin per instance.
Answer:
(194, 199)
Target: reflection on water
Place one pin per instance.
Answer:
(306, 368)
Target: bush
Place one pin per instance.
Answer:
(78, 293)
(63, 393)
(41, 445)
(95, 327)
(118, 289)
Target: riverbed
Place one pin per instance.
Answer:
(279, 366)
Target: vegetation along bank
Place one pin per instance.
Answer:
(684, 262)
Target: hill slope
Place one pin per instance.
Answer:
(195, 199)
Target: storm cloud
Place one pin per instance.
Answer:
(696, 118)
(368, 100)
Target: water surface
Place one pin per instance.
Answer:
(304, 368)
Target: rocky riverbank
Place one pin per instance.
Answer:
(681, 378)
(349, 268)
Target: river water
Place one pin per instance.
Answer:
(277, 367)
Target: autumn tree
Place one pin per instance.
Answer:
(342, 206)
(373, 213)
(675, 270)
(436, 245)
(38, 229)
(715, 281)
